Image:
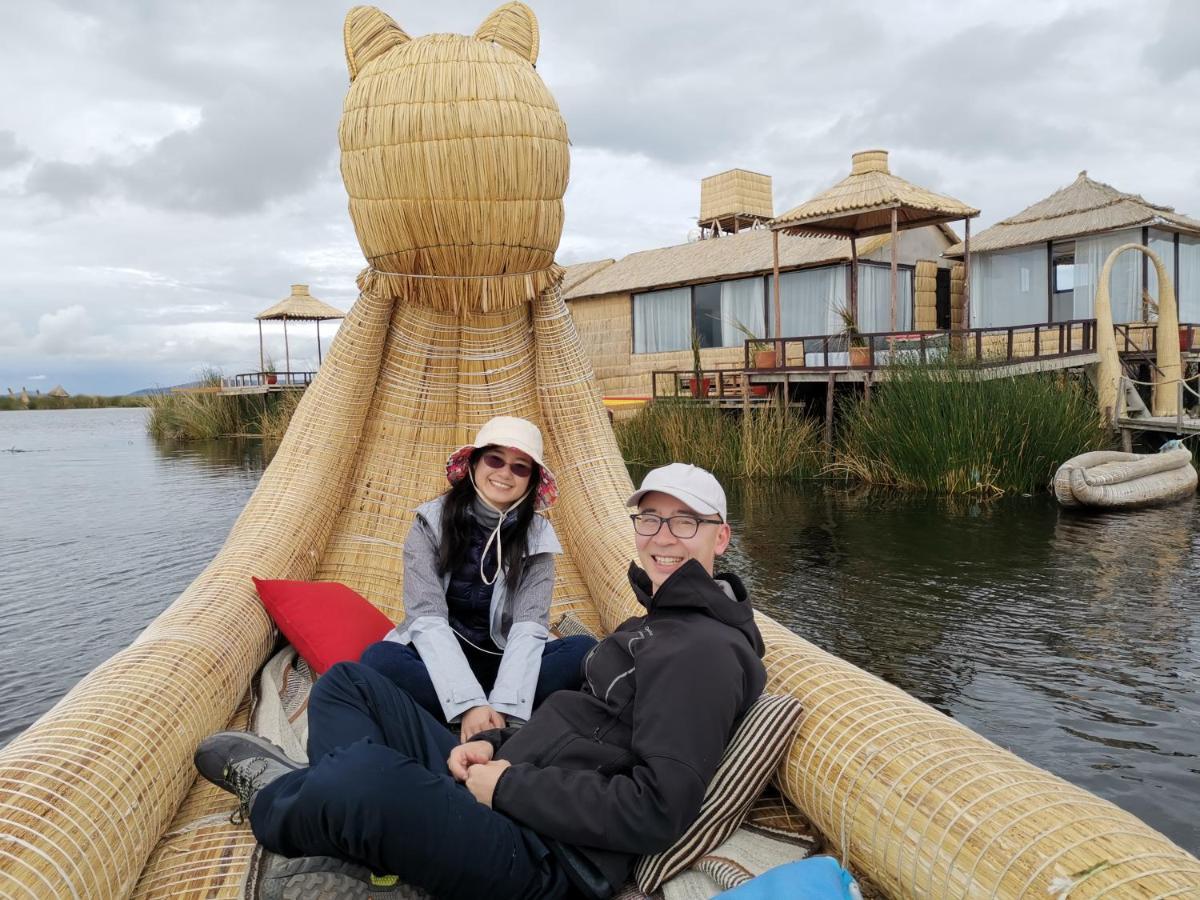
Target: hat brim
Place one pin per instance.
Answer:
(547, 489)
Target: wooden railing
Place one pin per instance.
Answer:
(281, 379)
(1142, 337)
(1001, 345)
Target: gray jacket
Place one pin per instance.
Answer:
(518, 623)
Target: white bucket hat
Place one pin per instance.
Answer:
(516, 434)
(689, 484)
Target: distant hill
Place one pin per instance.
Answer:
(162, 390)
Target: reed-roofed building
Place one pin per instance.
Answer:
(637, 314)
(1041, 265)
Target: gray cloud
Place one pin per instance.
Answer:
(258, 141)
(11, 152)
(1174, 54)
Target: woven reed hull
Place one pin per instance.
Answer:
(1107, 479)
(98, 799)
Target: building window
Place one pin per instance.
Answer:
(706, 310)
(663, 320)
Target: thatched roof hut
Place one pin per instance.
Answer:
(57, 391)
(1083, 207)
(299, 304)
(636, 314)
(861, 204)
(1041, 264)
(871, 201)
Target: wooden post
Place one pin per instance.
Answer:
(262, 360)
(1126, 440)
(967, 273)
(829, 415)
(854, 278)
(867, 388)
(318, 343)
(778, 307)
(287, 354)
(895, 233)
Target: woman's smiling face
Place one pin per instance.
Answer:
(495, 478)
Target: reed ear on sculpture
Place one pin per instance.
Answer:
(369, 33)
(514, 26)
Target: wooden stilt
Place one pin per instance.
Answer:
(966, 273)
(287, 353)
(854, 278)
(778, 307)
(829, 415)
(895, 263)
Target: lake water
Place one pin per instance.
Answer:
(1072, 640)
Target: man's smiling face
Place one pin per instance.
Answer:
(663, 553)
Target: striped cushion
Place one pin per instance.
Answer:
(758, 745)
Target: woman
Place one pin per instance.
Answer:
(478, 574)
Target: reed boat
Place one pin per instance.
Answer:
(455, 158)
(1109, 479)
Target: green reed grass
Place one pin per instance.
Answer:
(945, 430)
(76, 401)
(756, 442)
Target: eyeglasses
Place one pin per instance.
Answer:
(496, 461)
(683, 527)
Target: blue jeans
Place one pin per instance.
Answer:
(562, 669)
(378, 793)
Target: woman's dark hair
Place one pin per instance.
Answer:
(457, 524)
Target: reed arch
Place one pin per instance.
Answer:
(1165, 400)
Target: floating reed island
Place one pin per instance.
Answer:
(455, 158)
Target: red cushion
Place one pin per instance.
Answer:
(325, 621)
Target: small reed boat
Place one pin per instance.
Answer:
(455, 157)
(1109, 479)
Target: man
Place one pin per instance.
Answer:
(562, 806)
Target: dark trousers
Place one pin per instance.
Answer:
(377, 792)
(562, 668)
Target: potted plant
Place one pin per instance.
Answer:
(762, 350)
(856, 344)
(269, 375)
(699, 385)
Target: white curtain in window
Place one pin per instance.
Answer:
(1189, 278)
(662, 320)
(1009, 287)
(809, 301)
(875, 298)
(1162, 243)
(1125, 284)
(741, 301)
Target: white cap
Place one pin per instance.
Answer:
(687, 483)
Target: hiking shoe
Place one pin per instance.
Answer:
(242, 764)
(281, 878)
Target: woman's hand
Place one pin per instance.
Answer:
(464, 756)
(482, 778)
(477, 719)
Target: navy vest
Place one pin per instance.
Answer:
(468, 597)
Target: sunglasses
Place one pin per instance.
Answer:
(496, 461)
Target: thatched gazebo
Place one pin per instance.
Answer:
(870, 201)
(58, 391)
(302, 305)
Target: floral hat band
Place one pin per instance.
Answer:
(515, 434)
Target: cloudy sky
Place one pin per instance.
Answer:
(168, 168)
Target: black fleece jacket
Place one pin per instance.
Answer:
(619, 767)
